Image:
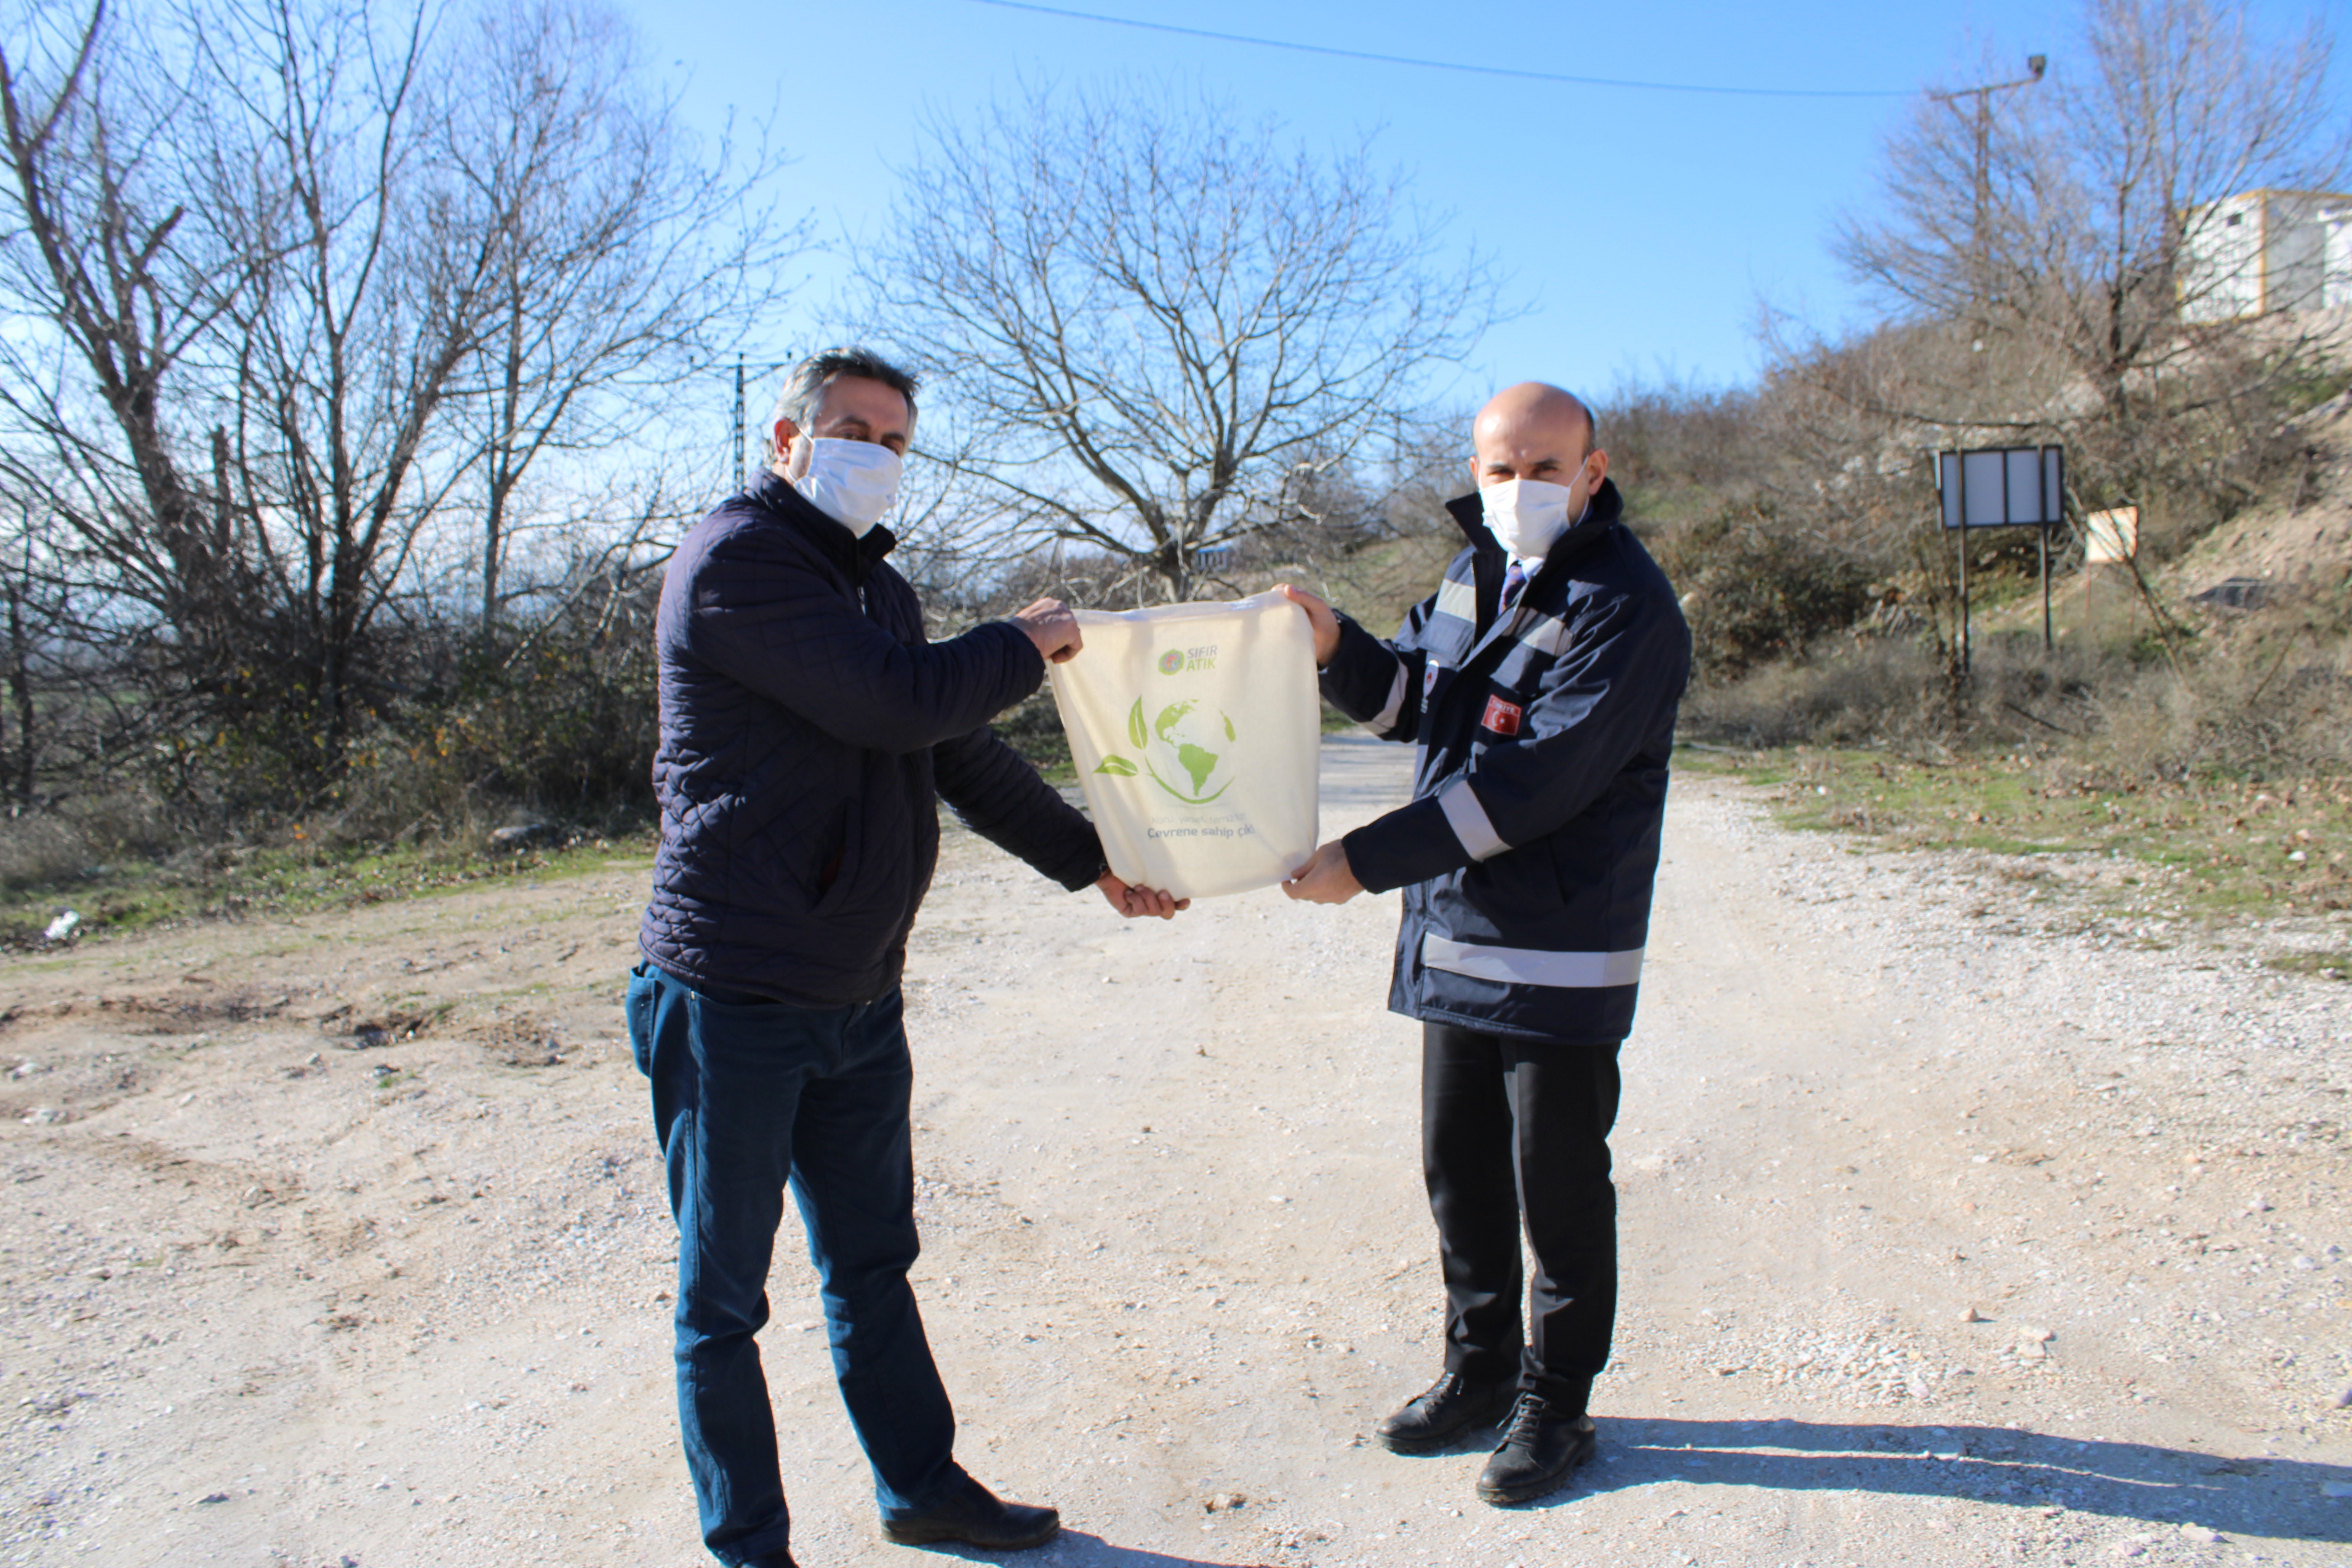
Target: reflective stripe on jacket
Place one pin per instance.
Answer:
(1529, 850)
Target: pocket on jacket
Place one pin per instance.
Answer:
(1515, 887)
(840, 862)
(1583, 858)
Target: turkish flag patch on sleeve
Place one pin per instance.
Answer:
(1501, 717)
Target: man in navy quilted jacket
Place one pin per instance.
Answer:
(1539, 683)
(807, 727)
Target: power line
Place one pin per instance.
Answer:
(1438, 65)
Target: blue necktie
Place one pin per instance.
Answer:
(1513, 580)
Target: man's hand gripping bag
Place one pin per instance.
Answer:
(1194, 728)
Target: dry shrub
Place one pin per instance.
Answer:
(403, 792)
(40, 850)
(557, 720)
(2243, 707)
(2242, 715)
(74, 840)
(1873, 692)
(1755, 588)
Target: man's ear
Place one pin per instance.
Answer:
(1475, 480)
(780, 442)
(1600, 461)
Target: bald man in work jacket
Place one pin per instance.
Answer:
(1539, 683)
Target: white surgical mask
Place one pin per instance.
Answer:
(1526, 515)
(853, 483)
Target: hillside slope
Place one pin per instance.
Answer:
(2298, 539)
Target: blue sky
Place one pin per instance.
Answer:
(1642, 229)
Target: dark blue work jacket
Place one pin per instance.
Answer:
(808, 727)
(1528, 853)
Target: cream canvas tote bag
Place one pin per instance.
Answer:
(1195, 728)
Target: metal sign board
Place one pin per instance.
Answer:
(2002, 487)
(2110, 538)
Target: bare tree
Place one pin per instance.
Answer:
(2069, 265)
(620, 261)
(104, 252)
(1677, 448)
(248, 268)
(349, 346)
(306, 289)
(32, 608)
(1155, 324)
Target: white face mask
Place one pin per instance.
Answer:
(853, 483)
(1526, 515)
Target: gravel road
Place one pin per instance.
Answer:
(1973, 1212)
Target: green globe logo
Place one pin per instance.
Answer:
(1186, 749)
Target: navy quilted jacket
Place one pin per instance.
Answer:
(1529, 852)
(805, 724)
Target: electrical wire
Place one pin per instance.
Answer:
(1339, 53)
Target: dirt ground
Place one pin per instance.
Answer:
(1964, 1222)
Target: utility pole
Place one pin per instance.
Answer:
(1979, 234)
(1981, 270)
(737, 463)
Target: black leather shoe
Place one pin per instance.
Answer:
(1443, 1412)
(1538, 1453)
(977, 1518)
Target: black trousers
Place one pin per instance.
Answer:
(1518, 1131)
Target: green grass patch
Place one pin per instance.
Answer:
(292, 879)
(2335, 966)
(2219, 846)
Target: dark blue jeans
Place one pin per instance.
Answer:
(751, 1096)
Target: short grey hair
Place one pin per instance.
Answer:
(804, 385)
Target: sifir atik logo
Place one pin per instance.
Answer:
(1188, 660)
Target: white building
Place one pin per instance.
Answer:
(2261, 251)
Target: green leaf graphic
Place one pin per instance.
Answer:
(1119, 767)
(1135, 729)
